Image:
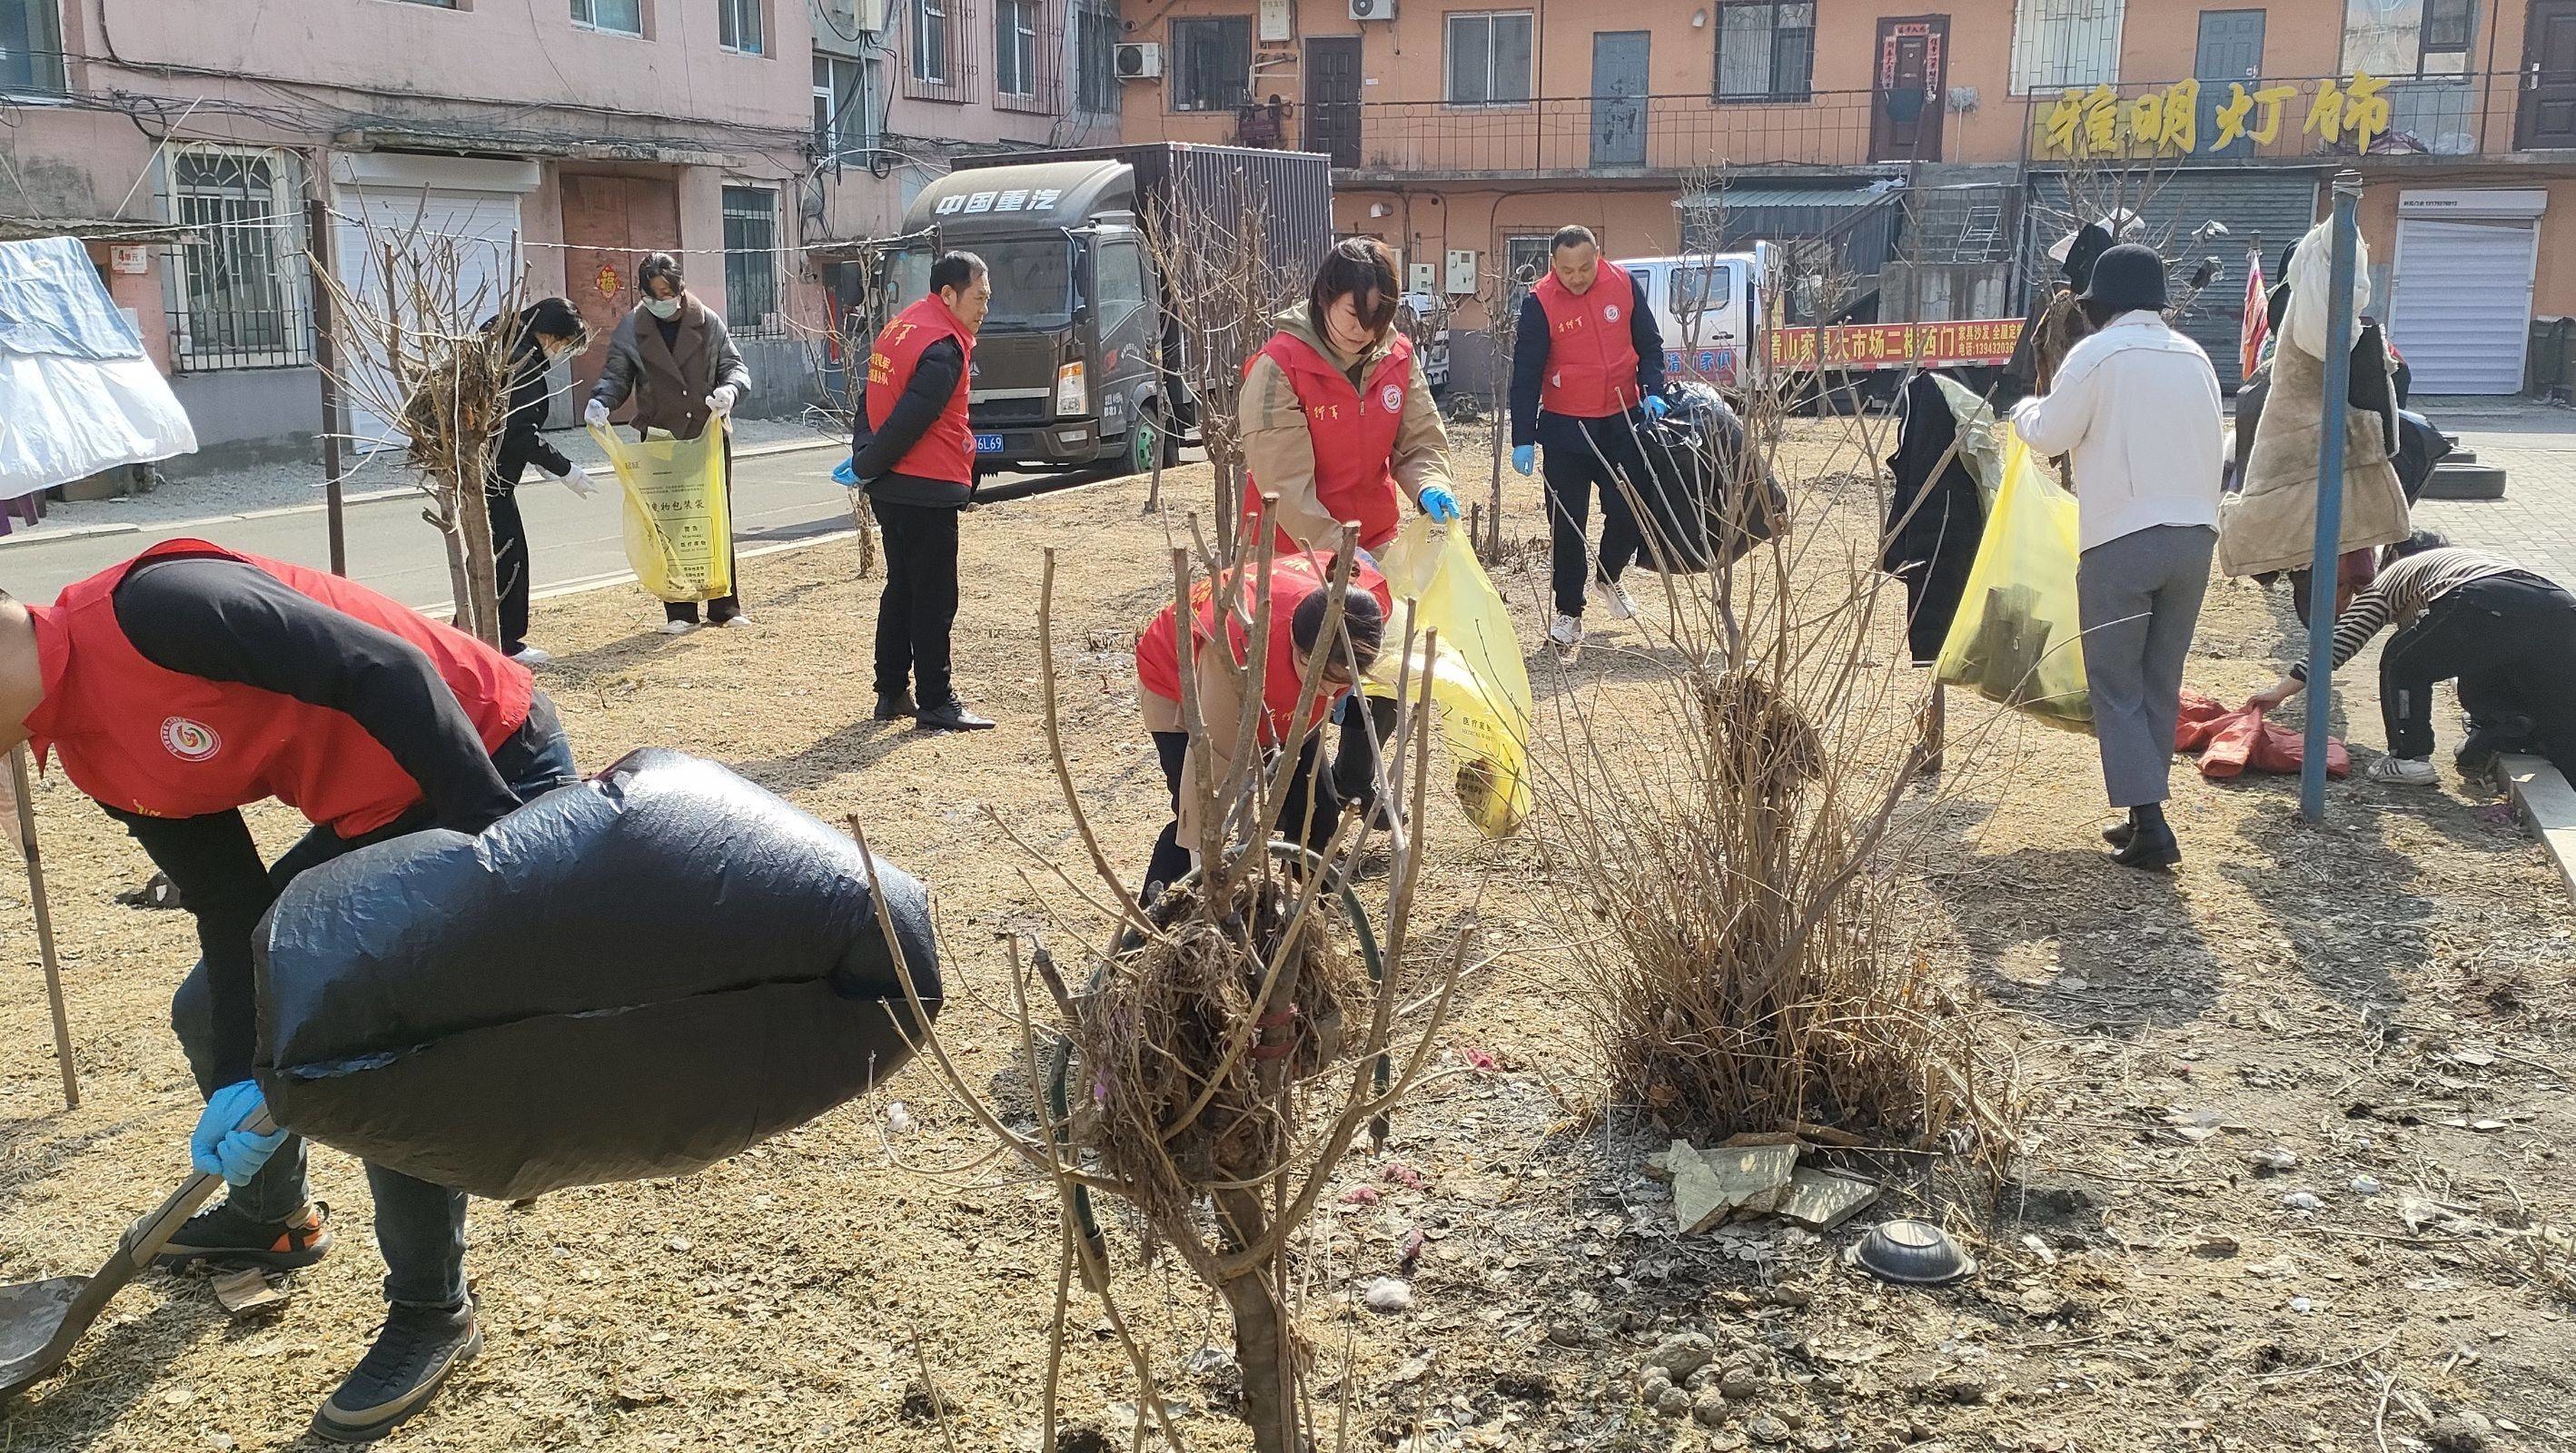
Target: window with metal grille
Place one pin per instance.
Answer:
(1096, 34)
(1766, 52)
(2062, 44)
(848, 98)
(751, 259)
(1489, 59)
(1211, 63)
(1524, 263)
(930, 40)
(31, 47)
(237, 276)
(742, 26)
(620, 17)
(1015, 47)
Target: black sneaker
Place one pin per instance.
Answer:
(2487, 740)
(229, 1237)
(415, 1350)
(951, 716)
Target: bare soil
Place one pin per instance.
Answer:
(2386, 997)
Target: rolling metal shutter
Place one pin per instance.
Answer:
(2462, 307)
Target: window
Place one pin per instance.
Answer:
(848, 98)
(1121, 268)
(741, 26)
(31, 47)
(930, 40)
(1489, 59)
(237, 286)
(2448, 25)
(1524, 263)
(2398, 38)
(751, 259)
(2061, 44)
(1015, 47)
(1766, 52)
(1096, 34)
(1211, 63)
(621, 17)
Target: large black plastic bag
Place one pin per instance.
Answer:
(635, 976)
(1698, 513)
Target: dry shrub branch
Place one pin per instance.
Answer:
(1223, 290)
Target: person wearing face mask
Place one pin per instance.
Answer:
(1587, 372)
(548, 331)
(1338, 422)
(673, 357)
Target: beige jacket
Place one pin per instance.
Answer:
(1280, 453)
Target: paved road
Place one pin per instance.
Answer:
(778, 497)
(2535, 523)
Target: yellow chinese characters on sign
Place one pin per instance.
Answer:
(2097, 123)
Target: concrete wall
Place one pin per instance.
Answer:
(249, 416)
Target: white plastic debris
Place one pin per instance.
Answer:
(898, 1118)
(1389, 1294)
(2304, 1201)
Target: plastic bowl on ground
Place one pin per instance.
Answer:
(1911, 1253)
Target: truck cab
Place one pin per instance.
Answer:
(1708, 306)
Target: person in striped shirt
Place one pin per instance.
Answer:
(2506, 633)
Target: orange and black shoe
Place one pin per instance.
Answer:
(226, 1237)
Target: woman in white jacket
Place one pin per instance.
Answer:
(2135, 407)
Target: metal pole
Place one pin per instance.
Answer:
(326, 359)
(44, 927)
(2322, 572)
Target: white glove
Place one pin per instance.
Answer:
(595, 415)
(578, 481)
(720, 403)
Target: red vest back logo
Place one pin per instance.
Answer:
(190, 741)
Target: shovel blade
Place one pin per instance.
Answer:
(31, 1324)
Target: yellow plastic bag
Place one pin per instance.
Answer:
(679, 529)
(1479, 681)
(2018, 639)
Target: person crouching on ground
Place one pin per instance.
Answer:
(2506, 633)
(914, 453)
(184, 684)
(2135, 407)
(546, 332)
(1301, 593)
(1338, 422)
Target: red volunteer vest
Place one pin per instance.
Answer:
(142, 739)
(1354, 435)
(1591, 356)
(948, 450)
(1292, 579)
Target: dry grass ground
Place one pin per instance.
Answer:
(2386, 997)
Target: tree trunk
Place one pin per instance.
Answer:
(480, 603)
(1265, 1345)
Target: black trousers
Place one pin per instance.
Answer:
(2510, 641)
(920, 600)
(1355, 756)
(509, 562)
(1576, 456)
(1296, 824)
(728, 605)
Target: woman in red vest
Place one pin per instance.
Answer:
(1338, 421)
(1300, 593)
(189, 682)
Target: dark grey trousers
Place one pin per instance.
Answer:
(2140, 596)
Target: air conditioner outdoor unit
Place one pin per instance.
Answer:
(870, 15)
(1372, 9)
(1140, 61)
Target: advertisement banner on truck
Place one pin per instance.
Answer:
(1864, 346)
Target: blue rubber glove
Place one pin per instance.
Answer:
(845, 476)
(1524, 457)
(220, 1147)
(1439, 503)
(1656, 408)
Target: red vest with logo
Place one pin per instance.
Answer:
(948, 450)
(164, 744)
(1354, 435)
(1292, 579)
(1591, 355)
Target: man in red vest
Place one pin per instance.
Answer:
(915, 455)
(189, 682)
(1587, 372)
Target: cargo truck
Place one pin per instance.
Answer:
(1066, 371)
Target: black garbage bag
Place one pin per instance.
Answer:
(1701, 511)
(635, 976)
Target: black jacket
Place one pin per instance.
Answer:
(521, 445)
(874, 452)
(1529, 361)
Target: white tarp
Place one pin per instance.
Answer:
(77, 394)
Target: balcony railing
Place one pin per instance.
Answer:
(2272, 120)
(1614, 135)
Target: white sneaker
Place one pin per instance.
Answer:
(2408, 771)
(678, 628)
(1567, 632)
(532, 657)
(1614, 596)
(738, 618)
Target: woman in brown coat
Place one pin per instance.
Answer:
(673, 357)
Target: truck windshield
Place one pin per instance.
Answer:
(1032, 282)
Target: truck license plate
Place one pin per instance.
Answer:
(988, 443)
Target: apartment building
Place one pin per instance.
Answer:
(1932, 148)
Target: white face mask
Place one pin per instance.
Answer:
(663, 308)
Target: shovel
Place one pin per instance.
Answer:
(40, 1320)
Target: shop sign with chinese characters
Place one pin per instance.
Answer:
(2080, 125)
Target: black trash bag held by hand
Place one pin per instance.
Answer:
(1701, 511)
(632, 977)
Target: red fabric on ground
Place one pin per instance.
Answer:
(2233, 740)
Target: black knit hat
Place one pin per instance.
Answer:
(2128, 277)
